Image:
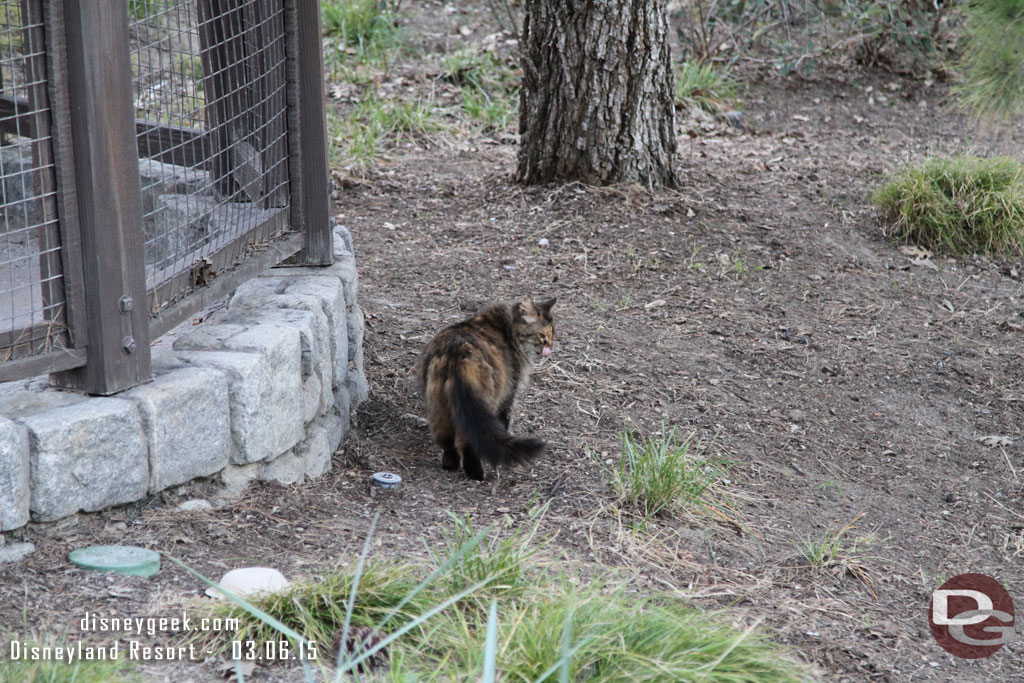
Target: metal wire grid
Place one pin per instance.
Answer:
(32, 315)
(210, 98)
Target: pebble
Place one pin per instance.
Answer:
(543, 243)
(195, 505)
(796, 415)
(16, 551)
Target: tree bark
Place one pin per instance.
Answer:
(597, 102)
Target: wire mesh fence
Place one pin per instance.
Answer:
(148, 149)
(209, 81)
(32, 306)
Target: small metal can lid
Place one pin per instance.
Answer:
(124, 559)
(387, 480)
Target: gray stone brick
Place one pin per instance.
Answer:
(355, 382)
(337, 429)
(304, 314)
(287, 468)
(263, 367)
(329, 291)
(237, 477)
(186, 417)
(356, 330)
(14, 475)
(16, 552)
(87, 456)
(20, 401)
(342, 234)
(315, 451)
(344, 269)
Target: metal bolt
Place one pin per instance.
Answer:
(128, 344)
(125, 304)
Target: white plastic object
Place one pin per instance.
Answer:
(250, 581)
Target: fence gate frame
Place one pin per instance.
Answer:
(95, 155)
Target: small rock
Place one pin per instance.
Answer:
(543, 243)
(115, 526)
(15, 552)
(195, 505)
(796, 415)
(415, 419)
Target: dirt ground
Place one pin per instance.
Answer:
(761, 305)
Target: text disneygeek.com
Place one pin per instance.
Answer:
(125, 646)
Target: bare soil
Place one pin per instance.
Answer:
(760, 304)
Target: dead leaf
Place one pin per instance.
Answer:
(654, 304)
(948, 306)
(915, 251)
(993, 440)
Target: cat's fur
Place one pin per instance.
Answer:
(470, 373)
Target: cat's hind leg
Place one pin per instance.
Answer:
(449, 455)
(470, 461)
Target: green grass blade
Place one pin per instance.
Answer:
(563, 672)
(491, 644)
(366, 654)
(350, 605)
(239, 674)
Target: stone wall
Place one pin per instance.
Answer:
(264, 388)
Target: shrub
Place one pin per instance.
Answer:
(960, 205)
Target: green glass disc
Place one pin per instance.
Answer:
(124, 559)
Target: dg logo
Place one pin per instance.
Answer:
(971, 616)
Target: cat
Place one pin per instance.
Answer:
(469, 374)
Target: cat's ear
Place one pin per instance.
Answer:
(525, 311)
(546, 306)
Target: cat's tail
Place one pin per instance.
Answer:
(483, 430)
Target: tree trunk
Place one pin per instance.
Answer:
(597, 102)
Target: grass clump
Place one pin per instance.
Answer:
(499, 564)
(489, 87)
(47, 669)
(365, 26)
(661, 475)
(834, 553)
(600, 632)
(961, 205)
(704, 86)
(317, 607)
(357, 137)
(437, 625)
(993, 59)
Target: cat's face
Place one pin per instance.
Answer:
(535, 327)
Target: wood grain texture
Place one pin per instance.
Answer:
(307, 132)
(109, 202)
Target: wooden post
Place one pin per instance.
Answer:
(307, 132)
(109, 199)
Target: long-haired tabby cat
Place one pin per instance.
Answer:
(470, 373)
